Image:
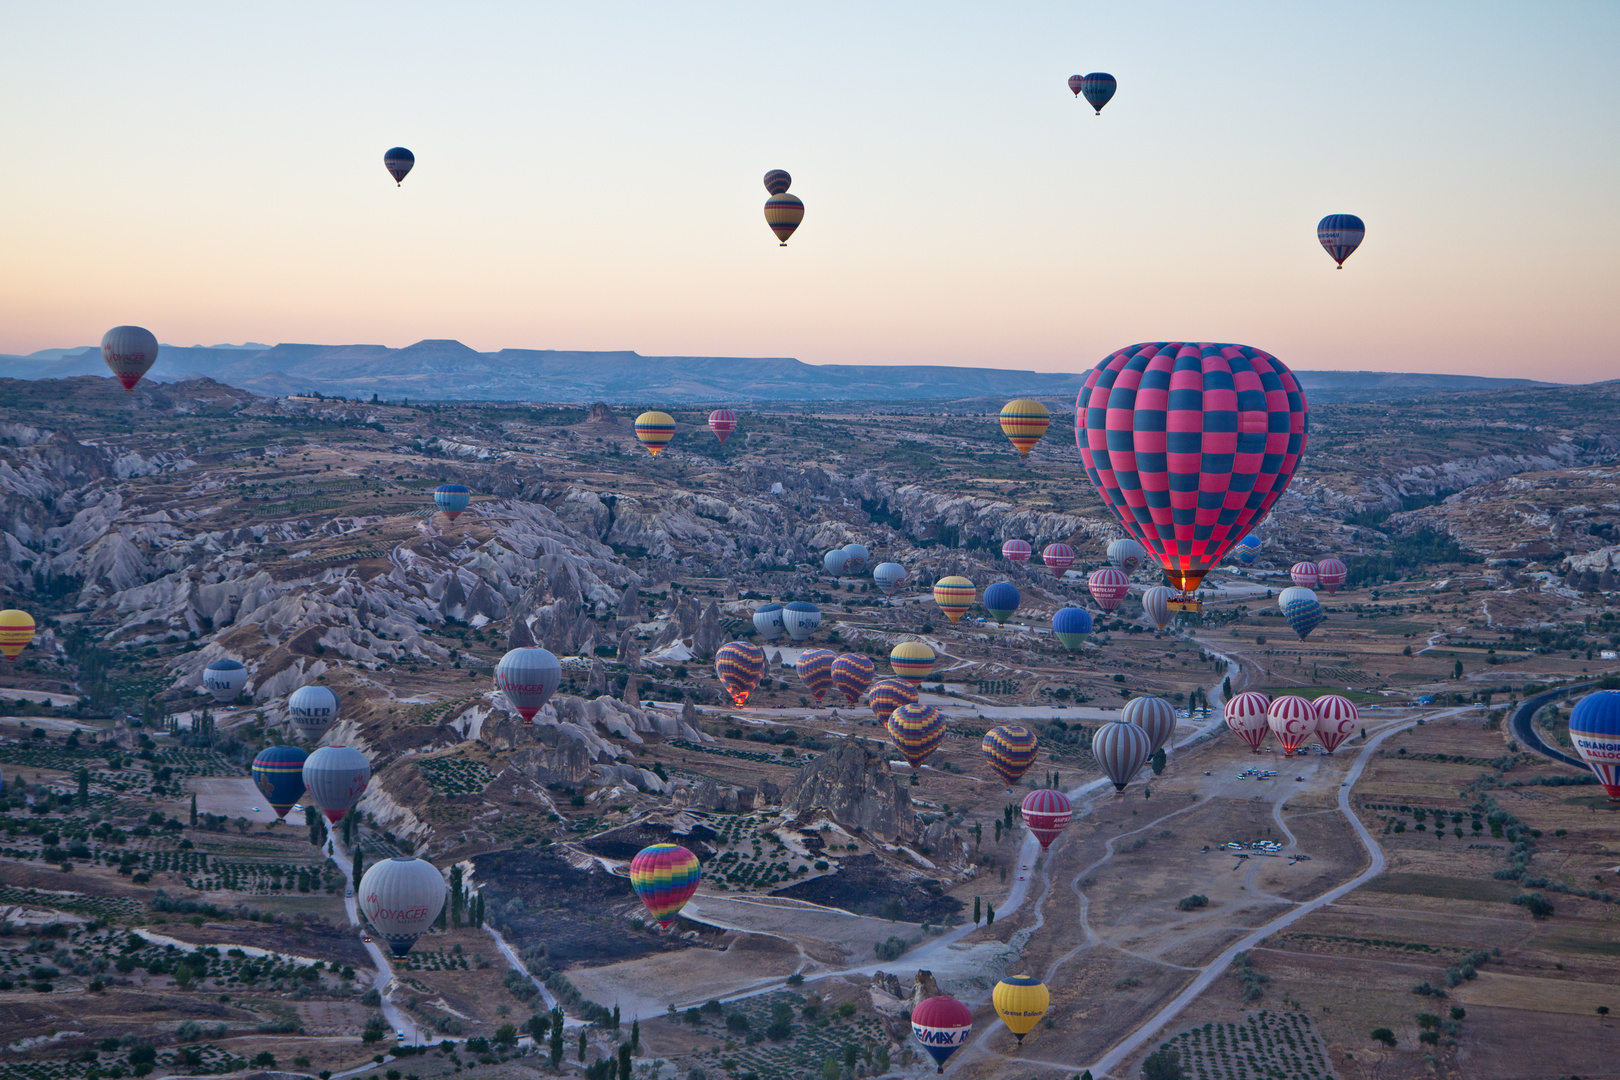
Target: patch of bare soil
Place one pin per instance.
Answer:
(865, 885)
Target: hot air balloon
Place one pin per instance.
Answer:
(1247, 549)
(1010, 749)
(1247, 716)
(768, 621)
(655, 429)
(859, 558)
(1076, 82)
(800, 620)
(1153, 715)
(888, 695)
(916, 731)
(402, 898)
(889, 577)
(739, 665)
(1098, 87)
(278, 773)
(835, 561)
(1189, 446)
(722, 422)
(1336, 720)
(528, 677)
(665, 876)
(852, 673)
(777, 181)
(1304, 574)
(1293, 720)
(1071, 625)
(1109, 587)
(452, 499)
(783, 213)
(16, 631)
(130, 351)
(398, 162)
(815, 671)
(225, 679)
(954, 595)
(1330, 574)
(336, 777)
(1126, 555)
(1016, 550)
(912, 660)
(1020, 1001)
(941, 1025)
(1156, 605)
(1340, 235)
(1594, 728)
(1058, 558)
(1301, 610)
(311, 709)
(1001, 600)
(1121, 749)
(1024, 422)
(1047, 813)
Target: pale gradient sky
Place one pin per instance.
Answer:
(588, 177)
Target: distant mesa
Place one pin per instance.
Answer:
(602, 413)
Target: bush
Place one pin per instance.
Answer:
(520, 986)
(1538, 906)
(892, 949)
(1162, 1065)
(737, 1022)
(1193, 902)
(264, 1060)
(1383, 1035)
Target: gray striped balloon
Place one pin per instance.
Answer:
(401, 898)
(1121, 748)
(1153, 715)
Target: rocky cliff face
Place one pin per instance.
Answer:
(856, 789)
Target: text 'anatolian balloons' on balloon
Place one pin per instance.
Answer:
(401, 898)
(1017, 551)
(1340, 235)
(852, 674)
(655, 429)
(1109, 587)
(1121, 749)
(912, 660)
(1126, 555)
(1190, 445)
(1001, 600)
(1337, 718)
(398, 162)
(665, 877)
(739, 664)
(1024, 421)
(815, 671)
(889, 577)
(1292, 720)
(311, 709)
(1247, 715)
(130, 351)
(1153, 715)
(451, 499)
(278, 773)
(722, 422)
(1071, 625)
(916, 730)
(1301, 610)
(528, 677)
(1020, 1001)
(1058, 558)
(768, 621)
(1010, 749)
(1330, 574)
(1047, 813)
(225, 679)
(954, 595)
(1594, 729)
(1304, 574)
(941, 1025)
(783, 213)
(16, 631)
(888, 695)
(336, 777)
(1156, 605)
(800, 619)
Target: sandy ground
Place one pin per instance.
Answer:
(26, 724)
(235, 797)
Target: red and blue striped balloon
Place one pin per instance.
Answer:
(1594, 728)
(665, 876)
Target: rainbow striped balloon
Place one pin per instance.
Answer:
(816, 671)
(852, 674)
(1024, 422)
(665, 876)
(783, 213)
(954, 595)
(739, 665)
(912, 660)
(655, 429)
(916, 731)
(888, 695)
(1010, 750)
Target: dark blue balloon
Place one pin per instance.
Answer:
(279, 774)
(1001, 600)
(1098, 87)
(1071, 624)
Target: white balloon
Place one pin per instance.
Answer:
(528, 677)
(401, 898)
(225, 680)
(130, 351)
(336, 777)
(312, 709)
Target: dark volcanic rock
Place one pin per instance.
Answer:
(855, 787)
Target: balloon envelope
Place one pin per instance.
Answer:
(1301, 610)
(1121, 749)
(1330, 574)
(1156, 605)
(1304, 574)
(1016, 550)
(815, 671)
(1001, 600)
(1126, 555)
(336, 777)
(916, 731)
(1047, 813)
(1024, 421)
(739, 665)
(16, 631)
(1109, 587)
(1058, 558)
(655, 429)
(783, 213)
(852, 673)
(402, 898)
(768, 621)
(1293, 720)
(665, 876)
(722, 422)
(777, 181)
(1190, 445)
(1071, 625)
(1337, 718)
(398, 162)
(835, 561)
(859, 558)
(800, 620)
(1594, 728)
(130, 351)
(452, 499)
(1247, 716)
(528, 677)
(1010, 749)
(1340, 235)
(312, 709)
(912, 660)
(1020, 1001)
(225, 679)
(278, 773)
(941, 1025)
(1076, 82)
(889, 577)
(1247, 549)
(888, 695)
(1153, 715)
(1098, 87)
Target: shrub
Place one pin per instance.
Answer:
(737, 1022)
(1538, 906)
(1383, 1035)
(891, 949)
(1193, 902)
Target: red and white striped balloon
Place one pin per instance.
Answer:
(1330, 574)
(722, 422)
(1109, 587)
(1305, 574)
(1246, 715)
(1016, 550)
(1337, 718)
(1058, 558)
(1293, 720)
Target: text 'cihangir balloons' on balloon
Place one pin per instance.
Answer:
(528, 677)
(1024, 421)
(722, 422)
(1058, 558)
(1017, 551)
(665, 877)
(224, 678)
(401, 898)
(1190, 444)
(1594, 729)
(451, 499)
(398, 162)
(1340, 235)
(739, 664)
(130, 351)
(1247, 715)
(655, 429)
(336, 777)
(1047, 813)
(311, 709)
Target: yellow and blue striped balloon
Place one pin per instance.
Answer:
(954, 595)
(655, 429)
(1024, 421)
(916, 731)
(1010, 749)
(912, 660)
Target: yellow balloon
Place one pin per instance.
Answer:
(912, 660)
(1024, 421)
(655, 429)
(16, 631)
(1020, 1001)
(954, 595)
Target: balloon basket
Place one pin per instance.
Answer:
(1185, 603)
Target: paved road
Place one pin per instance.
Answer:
(1526, 732)
(398, 1019)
